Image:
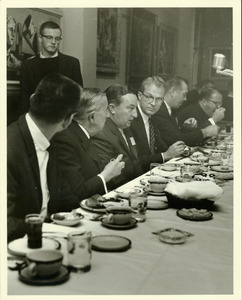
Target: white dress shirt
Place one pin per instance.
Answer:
(99, 175)
(41, 143)
(147, 127)
(146, 123)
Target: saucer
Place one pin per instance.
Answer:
(222, 169)
(60, 277)
(19, 247)
(157, 204)
(110, 243)
(150, 192)
(131, 224)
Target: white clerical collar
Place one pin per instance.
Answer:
(143, 115)
(42, 56)
(85, 131)
(168, 107)
(39, 139)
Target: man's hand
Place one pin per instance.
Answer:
(174, 150)
(113, 168)
(209, 131)
(190, 123)
(218, 114)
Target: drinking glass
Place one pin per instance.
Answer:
(79, 250)
(154, 171)
(34, 230)
(186, 173)
(139, 206)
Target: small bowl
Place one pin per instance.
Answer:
(188, 203)
(66, 219)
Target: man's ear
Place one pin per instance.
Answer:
(111, 108)
(139, 95)
(172, 92)
(67, 121)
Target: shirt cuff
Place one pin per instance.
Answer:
(211, 121)
(104, 183)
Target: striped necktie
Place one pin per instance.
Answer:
(152, 136)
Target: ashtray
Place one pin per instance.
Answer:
(173, 236)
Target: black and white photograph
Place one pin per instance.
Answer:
(121, 142)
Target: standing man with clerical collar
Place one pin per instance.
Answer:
(49, 60)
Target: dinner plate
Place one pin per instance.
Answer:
(192, 163)
(66, 221)
(222, 169)
(60, 277)
(224, 176)
(110, 243)
(168, 168)
(94, 209)
(131, 224)
(194, 214)
(20, 247)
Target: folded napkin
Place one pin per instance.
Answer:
(195, 190)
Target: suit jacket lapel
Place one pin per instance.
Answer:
(131, 142)
(30, 146)
(114, 129)
(85, 142)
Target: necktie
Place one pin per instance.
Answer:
(173, 116)
(152, 136)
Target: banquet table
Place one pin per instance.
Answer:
(202, 265)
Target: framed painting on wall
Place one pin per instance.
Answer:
(166, 51)
(22, 35)
(141, 46)
(108, 40)
(227, 52)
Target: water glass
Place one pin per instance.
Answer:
(154, 169)
(139, 206)
(34, 230)
(186, 173)
(79, 250)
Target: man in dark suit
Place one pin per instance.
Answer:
(207, 110)
(116, 137)
(150, 145)
(166, 120)
(47, 61)
(79, 160)
(34, 184)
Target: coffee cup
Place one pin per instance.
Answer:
(157, 184)
(44, 263)
(119, 215)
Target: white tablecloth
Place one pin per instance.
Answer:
(203, 265)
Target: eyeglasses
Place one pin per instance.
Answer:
(217, 104)
(50, 38)
(150, 98)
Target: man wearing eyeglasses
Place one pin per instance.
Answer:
(49, 60)
(207, 111)
(150, 146)
(167, 122)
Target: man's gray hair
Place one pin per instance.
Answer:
(90, 101)
(155, 80)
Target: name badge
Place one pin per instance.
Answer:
(132, 141)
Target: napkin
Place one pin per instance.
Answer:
(195, 190)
